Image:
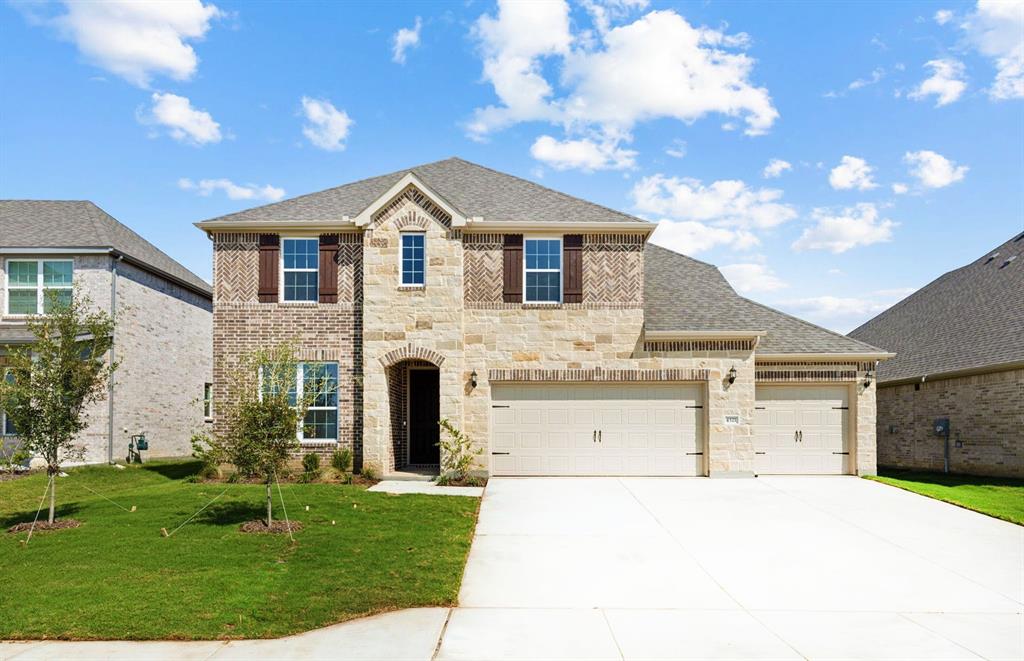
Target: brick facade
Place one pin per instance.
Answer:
(458, 323)
(986, 416)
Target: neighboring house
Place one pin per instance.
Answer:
(544, 326)
(163, 336)
(959, 346)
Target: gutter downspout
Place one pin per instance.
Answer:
(110, 382)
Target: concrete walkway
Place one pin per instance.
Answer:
(428, 488)
(769, 568)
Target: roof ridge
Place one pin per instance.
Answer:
(542, 186)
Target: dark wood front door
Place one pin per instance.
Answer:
(424, 412)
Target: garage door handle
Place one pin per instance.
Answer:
(595, 436)
(599, 435)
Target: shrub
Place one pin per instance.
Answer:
(311, 463)
(457, 452)
(12, 458)
(369, 473)
(341, 460)
(210, 455)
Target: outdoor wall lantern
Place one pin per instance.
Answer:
(472, 379)
(732, 375)
(867, 378)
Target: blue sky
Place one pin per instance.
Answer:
(897, 129)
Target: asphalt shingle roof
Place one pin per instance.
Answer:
(82, 224)
(969, 318)
(472, 189)
(684, 294)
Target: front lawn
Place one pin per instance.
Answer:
(117, 577)
(1000, 497)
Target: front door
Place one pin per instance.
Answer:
(424, 412)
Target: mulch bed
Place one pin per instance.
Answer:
(277, 527)
(41, 526)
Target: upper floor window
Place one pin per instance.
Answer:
(301, 269)
(413, 260)
(33, 286)
(543, 262)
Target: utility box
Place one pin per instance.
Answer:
(941, 426)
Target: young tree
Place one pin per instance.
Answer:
(265, 411)
(52, 381)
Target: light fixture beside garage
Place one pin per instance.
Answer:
(867, 378)
(472, 379)
(732, 375)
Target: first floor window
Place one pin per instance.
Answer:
(207, 400)
(413, 260)
(301, 259)
(6, 426)
(35, 286)
(543, 266)
(316, 383)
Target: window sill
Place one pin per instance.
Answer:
(318, 441)
(411, 287)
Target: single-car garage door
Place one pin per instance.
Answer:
(596, 429)
(801, 430)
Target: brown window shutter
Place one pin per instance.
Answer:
(512, 275)
(572, 268)
(270, 257)
(328, 268)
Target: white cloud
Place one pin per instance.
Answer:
(658, 66)
(775, 168)
(727, 203)
(690, 237)
(943, 16)
(900, 188)
(996, 30)
(677, 149)
(405, 39)
(327, 126)
(840, 230)
(852, 172)
(583, 154)
(934, 170)
(843, 314)
(138, 40)
(747, 278)
(876, 75)
(206, 187)
(184, 123)
(603, 12)
(946, 83)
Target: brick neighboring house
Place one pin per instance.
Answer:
(959, 346)
(163, 337)
(542, 325)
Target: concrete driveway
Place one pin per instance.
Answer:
(767, 568)
(774, 567)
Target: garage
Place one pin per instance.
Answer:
(597, 429)
(801, 430)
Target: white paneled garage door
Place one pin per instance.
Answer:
(597, 429)
(801, 430)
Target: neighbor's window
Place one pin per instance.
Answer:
(413, 261)
(207, 400)
(543, 270)
(32, 284)
(301, 269)
(319, 381)
(6, 426)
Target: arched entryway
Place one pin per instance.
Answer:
(414, 407)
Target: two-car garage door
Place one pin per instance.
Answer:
(597, 429)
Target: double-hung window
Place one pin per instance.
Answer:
(34, 286)
(208, 400)
(543, 266)
(413, 259)
(317, 384)
(6, 426)
(301, 269)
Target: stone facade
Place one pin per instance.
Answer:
(163, 342)
(458, 323)
(986, 416)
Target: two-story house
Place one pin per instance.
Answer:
(544, 326)
(163, 334)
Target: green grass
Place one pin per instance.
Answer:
(1002, 498)
(116, 577)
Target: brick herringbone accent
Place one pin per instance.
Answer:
(414, 195)
(235, 267)
(598, 375)
(699, 345)
(613, 268)
(410, 352)
(804, 371)
(482, 264)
